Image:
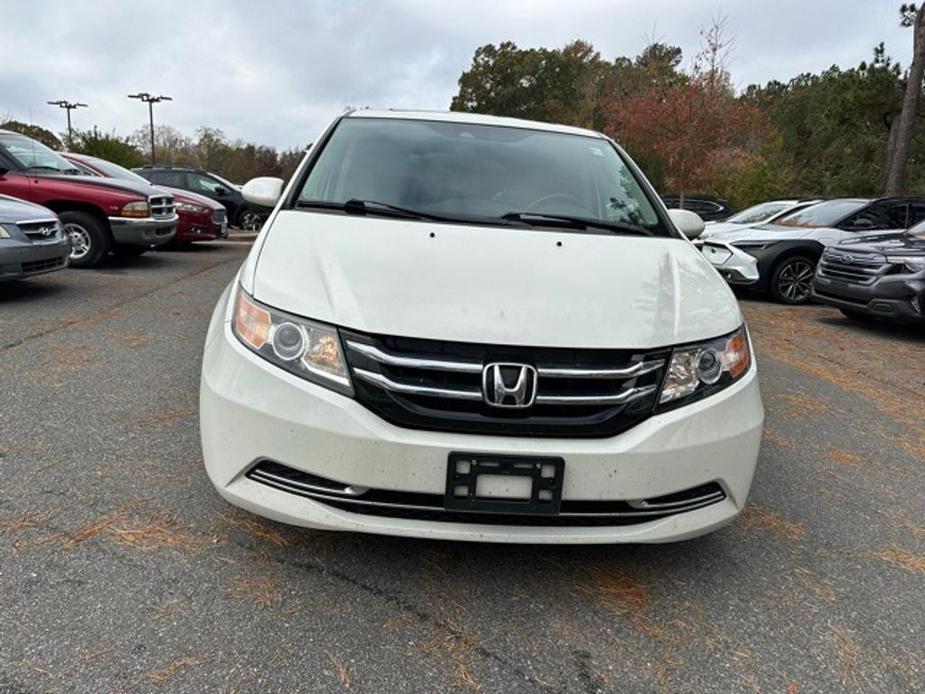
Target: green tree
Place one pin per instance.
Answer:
(111, 147)
(46, 137)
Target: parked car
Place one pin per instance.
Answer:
(875, 277)
(99, 214)
(32, 240)
(199, 218)
(467, 327)
(780, 258)
(708, 207)
(763, 213)
(240, 213)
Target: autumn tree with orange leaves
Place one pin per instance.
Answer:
(697, 127)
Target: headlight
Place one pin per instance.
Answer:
(135, 209)
(696, 371)
(5, 233)
(302, 347)
(190, 207)
(751, 247)
(913, 263)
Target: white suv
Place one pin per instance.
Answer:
(464, 327)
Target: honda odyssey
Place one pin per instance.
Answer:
(464, 327)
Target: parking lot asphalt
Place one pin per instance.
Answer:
(122, 570)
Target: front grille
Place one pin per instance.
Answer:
(859, 268)
(44, 265)
(430, 507)
(40, 229)
(436, 385)
(162, 206)
(218, 216)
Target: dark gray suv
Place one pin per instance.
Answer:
(32, 240)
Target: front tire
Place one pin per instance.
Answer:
(792, 280)
(121, 250)
(90, 240)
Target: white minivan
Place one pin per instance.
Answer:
(465, 327)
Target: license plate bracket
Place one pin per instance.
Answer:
(464, 471)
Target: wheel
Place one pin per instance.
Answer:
(792, 280)
(90, 240)
(857, 315)
(250, 220)
(121, 250)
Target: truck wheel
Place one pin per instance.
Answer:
(792, 280)
(121, 250)
(90, 240)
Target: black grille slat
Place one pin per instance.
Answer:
(390, 359)
(430, 507)
(43, 265)
(162, 206)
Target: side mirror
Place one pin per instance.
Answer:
(263, 191)
(862, 224)
(689, 223)
(218, 190)
(3, 171)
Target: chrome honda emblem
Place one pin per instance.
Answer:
(509, 385)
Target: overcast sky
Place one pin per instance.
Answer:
(276, 72)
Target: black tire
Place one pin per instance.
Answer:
(90, 239)
(250, 220)
(857, 315)
(121, 250)
(792, 280)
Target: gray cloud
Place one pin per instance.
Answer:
(276, 72)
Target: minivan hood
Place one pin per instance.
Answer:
(491, 285)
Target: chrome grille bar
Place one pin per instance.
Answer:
(414, 389)
(389, 359)
(621, 398)
(637, 369)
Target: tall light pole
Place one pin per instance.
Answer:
(150, 101)
(68, 106)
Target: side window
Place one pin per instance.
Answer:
(877, 217)
(204, 184)
(174, 179)
(916, 213)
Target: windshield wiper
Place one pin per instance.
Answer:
(374, 207)
(40, 167)
(578, 222)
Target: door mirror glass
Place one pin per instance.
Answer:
(863, 223)
(689, 223)
(218, 190)
(264, 191)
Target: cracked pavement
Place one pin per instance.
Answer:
(122, 570)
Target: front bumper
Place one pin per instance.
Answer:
(735, 265)
(900, 298)
(200, 227)
(251, 411)
(146, 231)
(19, 259)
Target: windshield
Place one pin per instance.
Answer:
(116, 171)
(918, 231)
(485, 171)
(32, 154)
(758, 213)
(825, 214)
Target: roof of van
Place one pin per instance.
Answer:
(472, 118)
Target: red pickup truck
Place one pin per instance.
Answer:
(99, 214)
(201, 218)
